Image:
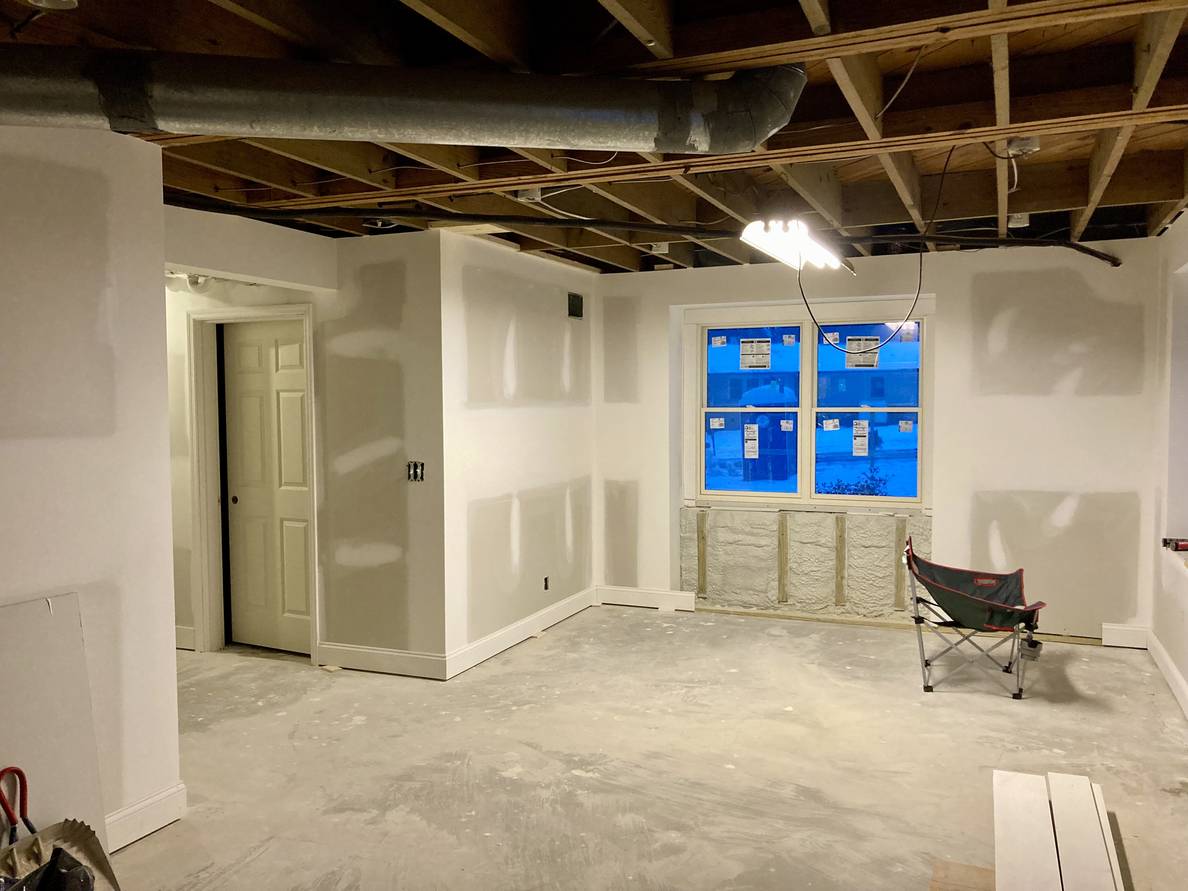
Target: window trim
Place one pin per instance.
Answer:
(806, 496)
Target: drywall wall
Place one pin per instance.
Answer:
(377, 377)
(84, 439)
(237, 248)
(1046, 368)
(378, 373)
(518, 424)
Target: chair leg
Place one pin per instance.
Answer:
(925, 665)
(1022, 666)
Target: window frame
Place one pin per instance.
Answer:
(807, 410)
(704, 411)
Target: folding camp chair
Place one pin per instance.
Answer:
(970, 603)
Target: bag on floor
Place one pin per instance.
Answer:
(64, 857)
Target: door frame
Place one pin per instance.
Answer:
(206, 573)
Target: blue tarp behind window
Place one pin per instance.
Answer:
(888, 469)
(893, 382)
(773, 465)
(735, 376)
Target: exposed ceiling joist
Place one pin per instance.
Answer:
(1000, 67)
(759, 52)
(819, 186)
(1160, 216)
(336, 33)
(496, 28)
(364, 162)
(817, 13)
(650, 21)
(1153, 44)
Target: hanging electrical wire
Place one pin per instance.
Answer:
(940, 188)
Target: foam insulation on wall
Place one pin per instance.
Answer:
(834, 563)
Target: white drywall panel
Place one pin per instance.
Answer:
(84, 433)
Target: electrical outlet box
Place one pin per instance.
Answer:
(1021, 146)
(531, 195)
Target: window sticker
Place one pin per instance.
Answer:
(754, 352)
(905, 426)
(751, 448)
(751, 431)
(718, 340)
(789, 340)
(861, 445)
(833, 337)
(831, 424)
(907, 334)
(859, 359)
(861, 426)
(787, 425)
(717, 423)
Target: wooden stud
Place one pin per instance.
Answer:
(817, 13)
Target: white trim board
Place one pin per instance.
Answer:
(184, 637)
(135, 821)
(653, 598)
(493, 644)
(1171, 673)
(385, 661)
(1133, 636)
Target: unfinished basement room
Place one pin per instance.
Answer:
(507, 445)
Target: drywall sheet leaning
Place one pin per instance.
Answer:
(45, 707)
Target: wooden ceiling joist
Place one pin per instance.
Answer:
(650, 21)
(1157, 35)
(335, 33)
(496, 28)
(1000, 68)
(857, 40)
(1160, 216)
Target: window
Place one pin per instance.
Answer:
(750, 410)
(862, 408)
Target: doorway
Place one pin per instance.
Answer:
(254, 478)
(265, 484)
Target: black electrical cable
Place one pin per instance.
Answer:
(940, 188)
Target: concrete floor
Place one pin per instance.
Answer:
(634, 749)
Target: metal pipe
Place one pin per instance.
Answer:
(132, 91)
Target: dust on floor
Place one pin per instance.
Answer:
(631, 749)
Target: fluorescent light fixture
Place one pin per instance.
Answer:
(790, 242)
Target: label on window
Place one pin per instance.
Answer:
(717, 423)
(833, 337)
(861, 426)
(754, 352)
(861, 445)
(751, 448)
(857, 359)
(751, 431)
(718, 340)
(789, 340)
(905, 426)
(908, 333)
(787, 425)
(831, 424)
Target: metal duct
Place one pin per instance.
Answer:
(222, 96)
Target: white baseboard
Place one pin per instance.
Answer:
(406, 662)
(484, 648)
(1133, 636)
(147, 815)
(1171, 673)
(655, 598)
(185, 637)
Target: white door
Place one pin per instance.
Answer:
(267, 418)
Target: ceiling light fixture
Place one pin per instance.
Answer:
(790, 242)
